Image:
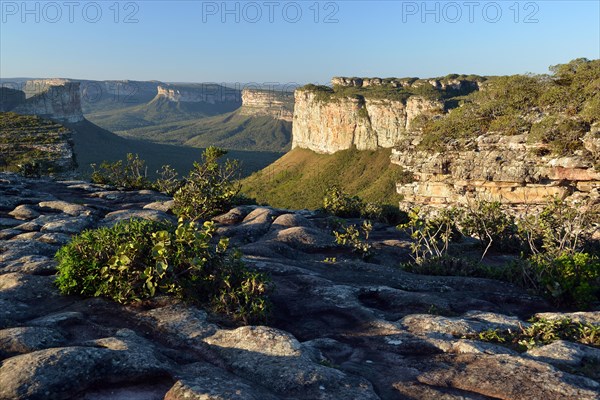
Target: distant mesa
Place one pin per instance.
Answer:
(274, 103)
(200, 93)
(59, 100)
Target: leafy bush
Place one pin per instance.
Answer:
(489, 223)
(351, 236)
(209, 189)
(542, 332)
(138, 259)
(341, 204)
(568, 279)
(131, 174)
(431, 237)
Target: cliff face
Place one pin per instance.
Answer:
(202, 93)
(327, 126)
(59, 100)
(276, 104)
(498, 168)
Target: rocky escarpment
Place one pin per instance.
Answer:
(448, 83)
(272, 103)
(499, 168)
(344, 330)
(35, 145)
(59, 100)
(330, 125)
(200, 93)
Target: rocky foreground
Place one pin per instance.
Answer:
(342, 330)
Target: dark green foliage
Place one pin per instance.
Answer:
(558, 258)
(131, 174)
(139, 259)
(209, 189)
(507, 105)
(542, 332)
(355, 238)
(337, 202)
(495, 228)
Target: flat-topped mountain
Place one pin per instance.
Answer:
(262, 102)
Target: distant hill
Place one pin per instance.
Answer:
(232, 130)
(93, 144)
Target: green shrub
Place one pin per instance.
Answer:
(542, 332)
(492, 226)
(138, 259)
(431, 237)
(341, 204)
(356, 238)
(568, 279)
(209, 189)
(131, 174)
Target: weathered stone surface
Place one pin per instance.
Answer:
(510, 378)
(343, 329)
(565, 353)
(25, 212)
(66, 207)
(494, 168)
(124, 215)
(164, 206)
(23, 340)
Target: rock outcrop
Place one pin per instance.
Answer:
(346, 329)
(497, 168)
(272, 103)
(59, 100)
(330, 125)
(200, 93)
(35, 145)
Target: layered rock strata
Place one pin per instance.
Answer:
(272, 103)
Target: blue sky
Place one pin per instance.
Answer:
(286, 41)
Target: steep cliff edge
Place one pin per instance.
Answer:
(370, 113)
(60, 100)
(200, 93)
(271, 103)
(327, 126)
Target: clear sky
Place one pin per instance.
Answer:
(287, 41)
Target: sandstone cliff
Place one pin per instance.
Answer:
(200, 93)
(498, 168)
(59, 100)
(330, 125)
(276, 104)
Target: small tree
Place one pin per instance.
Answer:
(209, 188)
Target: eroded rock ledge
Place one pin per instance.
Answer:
(347, 330)
(497, 168)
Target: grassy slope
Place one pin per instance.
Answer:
(300, 178)
(231, 131)
(94, 144)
